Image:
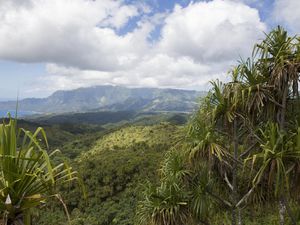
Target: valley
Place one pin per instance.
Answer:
(115, 159)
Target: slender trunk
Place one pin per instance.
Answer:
(283, 110)
(239, 216)
(281, 212)
(283, 204)
(234, 173)
(282, 128)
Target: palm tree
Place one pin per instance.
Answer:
(27, 175)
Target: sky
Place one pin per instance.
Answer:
(49, 45)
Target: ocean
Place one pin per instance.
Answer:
(21, 113)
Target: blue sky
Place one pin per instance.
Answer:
(51, 45)
(17, 76)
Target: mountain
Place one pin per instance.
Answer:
(110, 98)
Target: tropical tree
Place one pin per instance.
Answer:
(167, 204)
(277, 73)
(28, 177)
(259, 92)
(279, 62)
(251, 118)
(280, 154)
(203, 143)
(186, 195)
(228, 112)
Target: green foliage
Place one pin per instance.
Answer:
(28, 176)
(114, 171)
(167, 204)
(244, 140)
(92, 118)
(161, 134)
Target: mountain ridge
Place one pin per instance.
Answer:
(110, 98)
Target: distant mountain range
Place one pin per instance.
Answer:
(110, 98)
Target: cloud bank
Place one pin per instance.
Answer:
(87, 43)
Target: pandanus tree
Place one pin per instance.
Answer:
(228, 112)
(28, 177)
(185, 195)
(277, 160)
(248, 119)
(259, 93)
(219, 134)
(203, 142)
(277, 66)
(213, 154)
(167, 204)
(279, 61)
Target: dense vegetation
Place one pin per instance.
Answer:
(115, 161)
(240, 163)
(108, 118)
(114, 171)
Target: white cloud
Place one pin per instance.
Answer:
(68, 32)
(79, 42)
(212, 31)
(287, 12)
(120, 16)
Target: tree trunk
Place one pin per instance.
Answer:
(233, 220)
(239, 216)
(283, 110)
(234, 173)
(282, 207)
(281, 212)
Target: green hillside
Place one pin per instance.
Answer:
(108, 119)
(71, 139)
(114, 171)
(161, 134)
